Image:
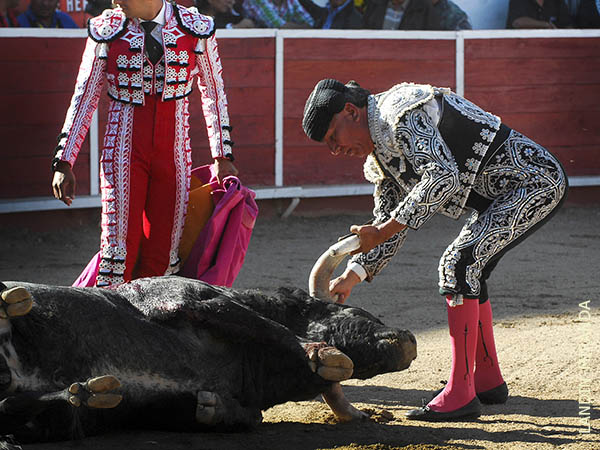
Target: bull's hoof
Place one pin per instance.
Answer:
(330, 363)
(16, 302)
(94, 393)
(206, 408)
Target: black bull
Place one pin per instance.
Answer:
(189, 355)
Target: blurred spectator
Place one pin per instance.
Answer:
(43, 14)
(538, 14)
(588, 14)
(278, 14)
(451, 16)
(401, 15)
(8, 13)
(95, 7)
(573, 6)
(337, 15)
(227, 13)
(360, 5)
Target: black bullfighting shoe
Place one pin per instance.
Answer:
(495, 396)
(471, 410)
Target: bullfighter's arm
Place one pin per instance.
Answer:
(366, 265)
(214, 100)
(79, 116)
(214, 105)
(83, 103)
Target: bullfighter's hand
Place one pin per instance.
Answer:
(224, 168)
(341, 287)
(372, 235)
(63, 183)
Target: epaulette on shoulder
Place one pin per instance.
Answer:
(196, 24)
(108, 26)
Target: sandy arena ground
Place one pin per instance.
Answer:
(549, 355)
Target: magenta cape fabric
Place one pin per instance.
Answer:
(219, 252)
(88, 276)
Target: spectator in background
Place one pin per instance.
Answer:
(451, 16)
(538, 14)
(573, 6)
(95, 7)
(337, 15)
(226, 13)
(360, 5)
(588, 14)
(278, 14)
(43, 14)
(401, 15)
(8, 13)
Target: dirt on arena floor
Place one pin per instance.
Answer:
(547, 342)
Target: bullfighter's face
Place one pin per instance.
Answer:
(140, 9)
(348, 133)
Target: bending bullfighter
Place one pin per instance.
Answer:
(429, 150)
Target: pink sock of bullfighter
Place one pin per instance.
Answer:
(462, 324)
(487, 369)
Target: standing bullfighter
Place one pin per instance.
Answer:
(430, 150)
(149, 51)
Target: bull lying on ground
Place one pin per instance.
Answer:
(189, 355)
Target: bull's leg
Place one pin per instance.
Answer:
(327, 361)
(94, 393)
(340, 406)
(214, 410)
(333, 365)
(19, 412)
(15, 302)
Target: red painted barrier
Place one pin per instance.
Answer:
(547, 88)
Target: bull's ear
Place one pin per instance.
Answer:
(236, 322)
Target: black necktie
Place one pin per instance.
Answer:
(153, 47)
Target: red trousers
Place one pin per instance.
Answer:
(146, 163)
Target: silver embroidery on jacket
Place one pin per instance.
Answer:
(525, 183)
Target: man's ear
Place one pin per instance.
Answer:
(352, 110)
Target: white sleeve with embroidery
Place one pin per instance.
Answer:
(387, 195)
(214, 101)
(432, 160)
(83, 103)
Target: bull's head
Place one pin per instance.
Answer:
(373, 347)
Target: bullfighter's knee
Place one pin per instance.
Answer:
(16, 302)
(327, 361)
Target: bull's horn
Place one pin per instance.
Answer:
(318, 282)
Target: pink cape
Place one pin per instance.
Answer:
(218, 254)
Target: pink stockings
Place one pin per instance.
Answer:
(472, 338)
(487, 370)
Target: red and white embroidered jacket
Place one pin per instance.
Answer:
(115, 52)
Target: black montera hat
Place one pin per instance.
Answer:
(326, 99)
